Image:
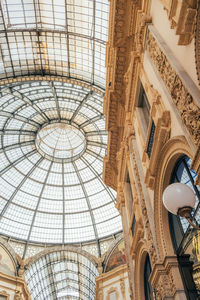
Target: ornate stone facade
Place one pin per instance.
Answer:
(182, 17)
(184, 101)
(137, 56)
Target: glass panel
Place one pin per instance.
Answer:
(185, 238)
(51, 161)
(62, 275)
(147, 286)
(65, 38)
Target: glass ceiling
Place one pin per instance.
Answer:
(53, 137)
(62, 275)
(54, 37)
(53, 142)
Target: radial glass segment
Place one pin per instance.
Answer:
(53, 141)
(60, 140)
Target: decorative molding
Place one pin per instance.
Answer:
(170, 153)
(111, 290)
(161, 118)
(196, 165)
(118, 271)
(98, 294)
(5, 294)
(166, 279)
(197, 43)
(18, 295)
(185, 104)
(141, 200)
(196, 275)
(120, 196)
(140, 257)
(127, 29)
(19, 284)
(138, 235)
(9, 250)
(123, 288)
(111, 249)
(182, 15)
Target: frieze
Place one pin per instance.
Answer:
(188, 110)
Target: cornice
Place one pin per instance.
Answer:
(113, 273)
(19, 282)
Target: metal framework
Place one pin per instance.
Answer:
(62, 275)
(46, 198)
(183, 173)
(53, 138)
(59, 38)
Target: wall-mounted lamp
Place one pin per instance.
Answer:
(179, 199)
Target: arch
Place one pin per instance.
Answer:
(60, 272)
(171, 152)
(140, 257)
(111, 249)
(66, 248)
(11, 253)
(82, 83)
(111, 290)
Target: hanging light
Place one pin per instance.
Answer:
(179, 199)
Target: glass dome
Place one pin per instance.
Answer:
(53, 141)
(60, 141)
(53, 138)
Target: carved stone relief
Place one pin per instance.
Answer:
(185, 104)
(18, 295)
(122, 287)
(150, 242)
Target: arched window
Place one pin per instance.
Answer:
(182, 173)
(148, 290)
(186, 240)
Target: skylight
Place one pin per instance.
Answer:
(48, 37)
(62, 275)
(53, 142)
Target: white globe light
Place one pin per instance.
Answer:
(178, 195)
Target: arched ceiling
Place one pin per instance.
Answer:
(54, 37)
(62, 275)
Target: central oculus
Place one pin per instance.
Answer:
(60, 141)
